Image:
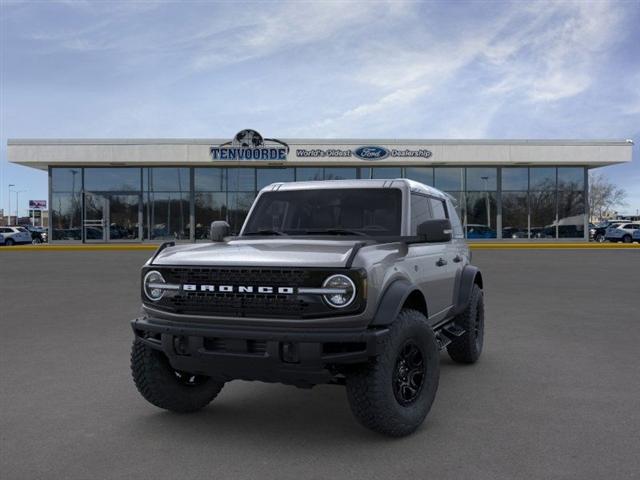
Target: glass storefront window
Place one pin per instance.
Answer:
(66, 179)
(209, 207)
(381, 172)
(112, 179)
(481, 215)
(166, 179)
(482, 179)
(209, 179)
(306, 174)
(515, 179)
(449, 178)
(238, 204)
(420, 174)
(571, 178)
(241, 179)
(167, 216)
(543, 214)
(266, 176)
(340, 173)
(515, 215)
(66, 218)
(542, 178)
(571, 211)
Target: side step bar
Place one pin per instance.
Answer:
(448, 334)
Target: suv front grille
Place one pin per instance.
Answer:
(250, 304)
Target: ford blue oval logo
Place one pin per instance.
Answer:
(371, 153)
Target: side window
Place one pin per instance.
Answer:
(420, 211)
(456, 225)
(438, 208)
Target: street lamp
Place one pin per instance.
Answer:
(18, 192)
(9, 214)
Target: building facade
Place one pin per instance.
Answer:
(153, 190)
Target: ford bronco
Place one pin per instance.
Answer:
(358, 283)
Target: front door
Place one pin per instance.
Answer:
(112, 217)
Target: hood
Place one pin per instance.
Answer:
(261, 252)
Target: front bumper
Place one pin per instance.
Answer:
(302, 358)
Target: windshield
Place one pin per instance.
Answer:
(345, 211)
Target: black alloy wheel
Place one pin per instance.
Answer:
(409, 371)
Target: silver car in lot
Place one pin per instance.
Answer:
(622, 232)
(15, 235)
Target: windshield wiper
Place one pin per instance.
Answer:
(336, 231)
(265, 232)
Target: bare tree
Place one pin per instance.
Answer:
(604, 196)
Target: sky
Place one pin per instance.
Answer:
(387, 69)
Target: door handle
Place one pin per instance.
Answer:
(441, 262)
(457, 259)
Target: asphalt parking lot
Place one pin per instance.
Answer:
(555, 395)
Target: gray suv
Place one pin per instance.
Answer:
(352, 282)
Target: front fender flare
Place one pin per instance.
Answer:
(391, 302)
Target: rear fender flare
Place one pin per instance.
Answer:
(470, 276)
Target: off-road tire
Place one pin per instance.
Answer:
(468, 347)
(370, 388)
(159, 384)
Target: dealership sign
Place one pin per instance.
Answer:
(250, 145)
(38, 204)
(366, 152)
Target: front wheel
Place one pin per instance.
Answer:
(599, 238)
(36, 241)
(165, 387)
(626, 239)
(394, 392)
(9, 242)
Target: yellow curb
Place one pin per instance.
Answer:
(553, 246)
(472, 245)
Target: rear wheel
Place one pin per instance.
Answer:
(626, 239)
(394, 392)
(468, 347)
(165, 387)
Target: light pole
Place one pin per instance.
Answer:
(18, 192)
(9, 214)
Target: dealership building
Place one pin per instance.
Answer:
(132, 190)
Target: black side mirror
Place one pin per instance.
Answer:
(219, 230)
(435, 231)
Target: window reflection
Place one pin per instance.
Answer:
(167, 216)
(65, 216)
(515, 179)
(482, 179)
(209, 179)
(309, 174)
(209, 207)
(570, 178)
(339, 173)
(266, 176)
(112, 179)
(515, 215)
(542, 178)
(381, 172)
(66, 179)
(166, 179)
(481, 215)
(571, 214)
(449, 178)
(420, 174)
(543, 214)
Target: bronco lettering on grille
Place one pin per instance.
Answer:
(237, 289)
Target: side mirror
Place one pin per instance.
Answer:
(435, 231)
(219, 230)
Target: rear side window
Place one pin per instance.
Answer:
(21, 229)
(438, 209)
(420, 211)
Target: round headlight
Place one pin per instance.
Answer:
(152, 280)
(344, 291)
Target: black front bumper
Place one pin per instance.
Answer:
(302, 358)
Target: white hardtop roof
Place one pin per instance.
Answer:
(362, 183)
